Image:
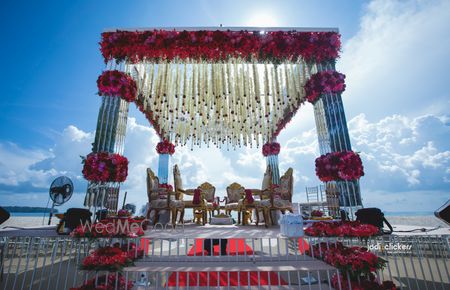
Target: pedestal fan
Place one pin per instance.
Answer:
(60, 191)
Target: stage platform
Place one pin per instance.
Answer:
(191, 230)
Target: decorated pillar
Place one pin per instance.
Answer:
(271, 151)
(339, 167)
(164, 149)
(105, 167)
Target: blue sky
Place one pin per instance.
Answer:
(395, 56)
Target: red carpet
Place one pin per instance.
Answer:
(302, 245)
(234, 247)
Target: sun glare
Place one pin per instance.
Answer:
(262, 19)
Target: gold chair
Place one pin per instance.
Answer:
(234, 199)
(281, 198)
(159, 198)
(263, 204)
(209, 192)
(180, 192)
(278, 198)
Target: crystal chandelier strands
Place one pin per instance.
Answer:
(233, 102)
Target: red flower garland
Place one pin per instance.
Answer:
(165, 147)
(361, 283)
(322, 83)
(317, 213)
(249, 196)
(107, 259)
(218, 45)
(123, 213)
(150, 117)
(341, 229)
(105, 167)
(355, 261)
(104, 283)
(196, 198)
(271, 149)
(169, 187)
(116, 83)
(112, 258)
(343, 165)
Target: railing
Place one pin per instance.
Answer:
(414, 262)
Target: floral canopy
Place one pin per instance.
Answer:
(229, 87)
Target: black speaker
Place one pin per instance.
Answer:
(373, 216)
(4, 215)
(75, 216)
(443, 213)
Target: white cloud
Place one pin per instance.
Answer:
(396, 67)
(398, 61)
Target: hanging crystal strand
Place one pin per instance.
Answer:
(150, 85)
(250, 100)
(192, 115)
(285, 82)
(275, 93)
(305, 75)
(219, 102)
(210, 93)
(296, 80)
(223, 89)
(170, 96)
(222, 101)
(255, 102)
(235, 103)
(190, 87)
(198, 90)
(158, 93)
(225, 84)
(141, 81)
(187, 87)
(161, 88)
(239, 96)
(293, 85)
(162, 93)
(229, 105)
(185, 92)
(168, 99)
(176, 87)
(244, 106)
(276, 104)
(216, 109)
(268, 94)
(208, 88)
(290, 86)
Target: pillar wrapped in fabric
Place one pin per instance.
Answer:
(109, 138)
(270, 151)
(163, 168)
(333, 136)
(272, 161)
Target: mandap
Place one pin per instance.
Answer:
(231, 87)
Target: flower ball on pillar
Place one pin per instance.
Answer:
(105, 167)
(342, 165)
(164, 149)
(116, 83)
(325, 82)
(271, 151)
